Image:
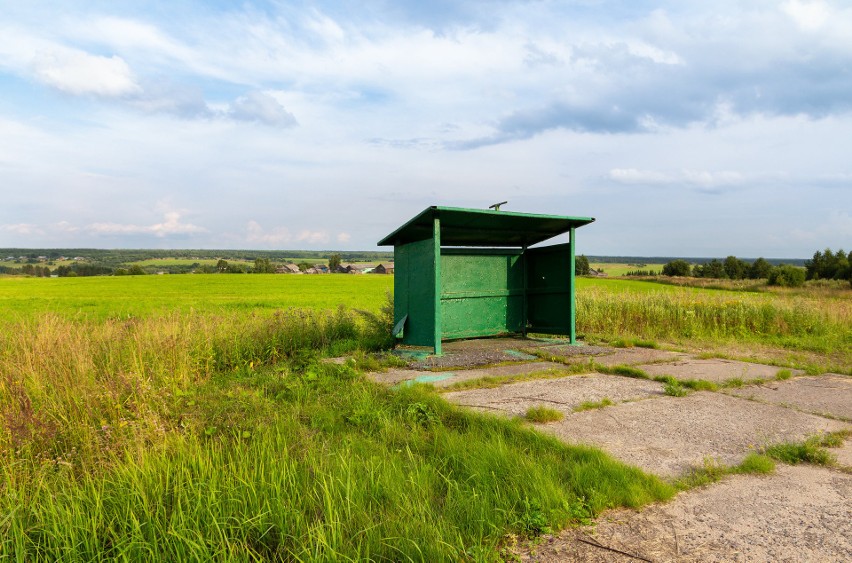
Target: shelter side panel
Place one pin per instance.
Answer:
(482, 293)
(548, 289)
(414, 291)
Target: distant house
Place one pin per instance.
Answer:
(321, 268)
(288, 269)
(353, 268)
(383, 269)
(312, 271)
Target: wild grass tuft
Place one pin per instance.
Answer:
(542, 414)
(493, 381)
(712, 471)
(625, 371)
(675, 389)
(783, 375)
(592, 405)
(812, 450)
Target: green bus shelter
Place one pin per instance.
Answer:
(466, 273)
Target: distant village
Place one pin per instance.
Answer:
(359, 268)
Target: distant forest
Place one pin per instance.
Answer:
(120, 256)
(691, 260)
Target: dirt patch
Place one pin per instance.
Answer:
(717, 370)
(668, 435)
(800, 513)
(844, 455)
(563, 394)
(826, 394)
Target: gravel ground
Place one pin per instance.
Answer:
(562, 394)
(825, 394)
(465, 354)
(717, 371)
(800, 513)
(669, 435)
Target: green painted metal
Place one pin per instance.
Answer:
(497, 285)
(437, 323)
(572, 289)
(479, 227)
(414, 292)
(549, 289)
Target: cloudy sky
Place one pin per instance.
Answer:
(687, 128)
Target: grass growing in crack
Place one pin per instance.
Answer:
(783, 375)
(625, 371)
(542, 414)
(712, 471)
(491, 382)
(692, 384)
(633, 342)
(812, 450)
(592, 405)
(675, 389)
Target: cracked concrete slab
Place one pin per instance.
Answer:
(800, 513)
(715, 370)
(824, 394)
(612, 356)
(669, 435)
(562, 394)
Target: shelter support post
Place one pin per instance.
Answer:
(572, 297)
(436, 238)
(525, 311)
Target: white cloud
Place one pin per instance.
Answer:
(22, 229)
(634, 176)
(79, 73)
(701, 178)
(256, 234)
(171, 225)
(343, 237)
(66, 227)
(313, 237)
(810, 16)
(262, 107)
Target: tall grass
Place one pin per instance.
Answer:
(792, 322)
(223, 438)
(81, 387)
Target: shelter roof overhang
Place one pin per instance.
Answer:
(480, 227)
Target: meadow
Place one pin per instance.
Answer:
(621, 268)
(125, 296)
(191, 417)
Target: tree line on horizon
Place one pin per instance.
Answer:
(825, 265)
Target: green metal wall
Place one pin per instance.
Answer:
(414, 291)
(550, 296)
(482, 292)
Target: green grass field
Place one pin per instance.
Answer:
(188, 417)
(617, 269)
(125, 296)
